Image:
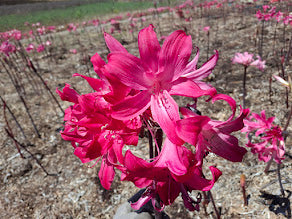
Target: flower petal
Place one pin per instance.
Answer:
(165, 112)
(112, 44)
(149, 47)
(188, 88)
(188, 129)
(128, 69)
(106, 174)
(174, 55)
(132, 106)
(98, 85)
(205, 69)
(225, 146)
(68, 94)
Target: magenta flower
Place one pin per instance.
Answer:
(271, 145)
(7, 48)
(173, 172)
(94, 133)
(158, 74)
(213, 136)
(40, 48)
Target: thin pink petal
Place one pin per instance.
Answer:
(149, 47)
(106, 174)
(236, 124)
(165, 112)
(129, 70)
(97, 84)
(188, 88)
(192, 65)
(68, 94)
(113, 44)
(97, 63)
(132, 106)
(188, 129)
(205, 70)
(229, 100)
(174, 55)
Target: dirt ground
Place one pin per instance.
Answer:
(74, 191)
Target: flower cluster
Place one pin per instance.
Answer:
(133, 93)
(271, 142)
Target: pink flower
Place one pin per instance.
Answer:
(94, 133)
(74, 51)
(213, 136)
(7, 48)
(271, 142)
(158, 74)
(259, 63)
(30, 47)
(206, 29)
(40, 48)
(48, 43)
(243, 58)
(173, 172)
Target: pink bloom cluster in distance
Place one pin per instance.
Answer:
(271, 144)
(131, 94)
(247, 59)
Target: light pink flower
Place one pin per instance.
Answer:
(74, 51)
(206, 29)
(259, 63)
(243, 58)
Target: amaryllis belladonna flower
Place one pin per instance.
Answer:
(271, 142)
(159, 73)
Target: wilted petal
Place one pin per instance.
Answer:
(225, 146)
